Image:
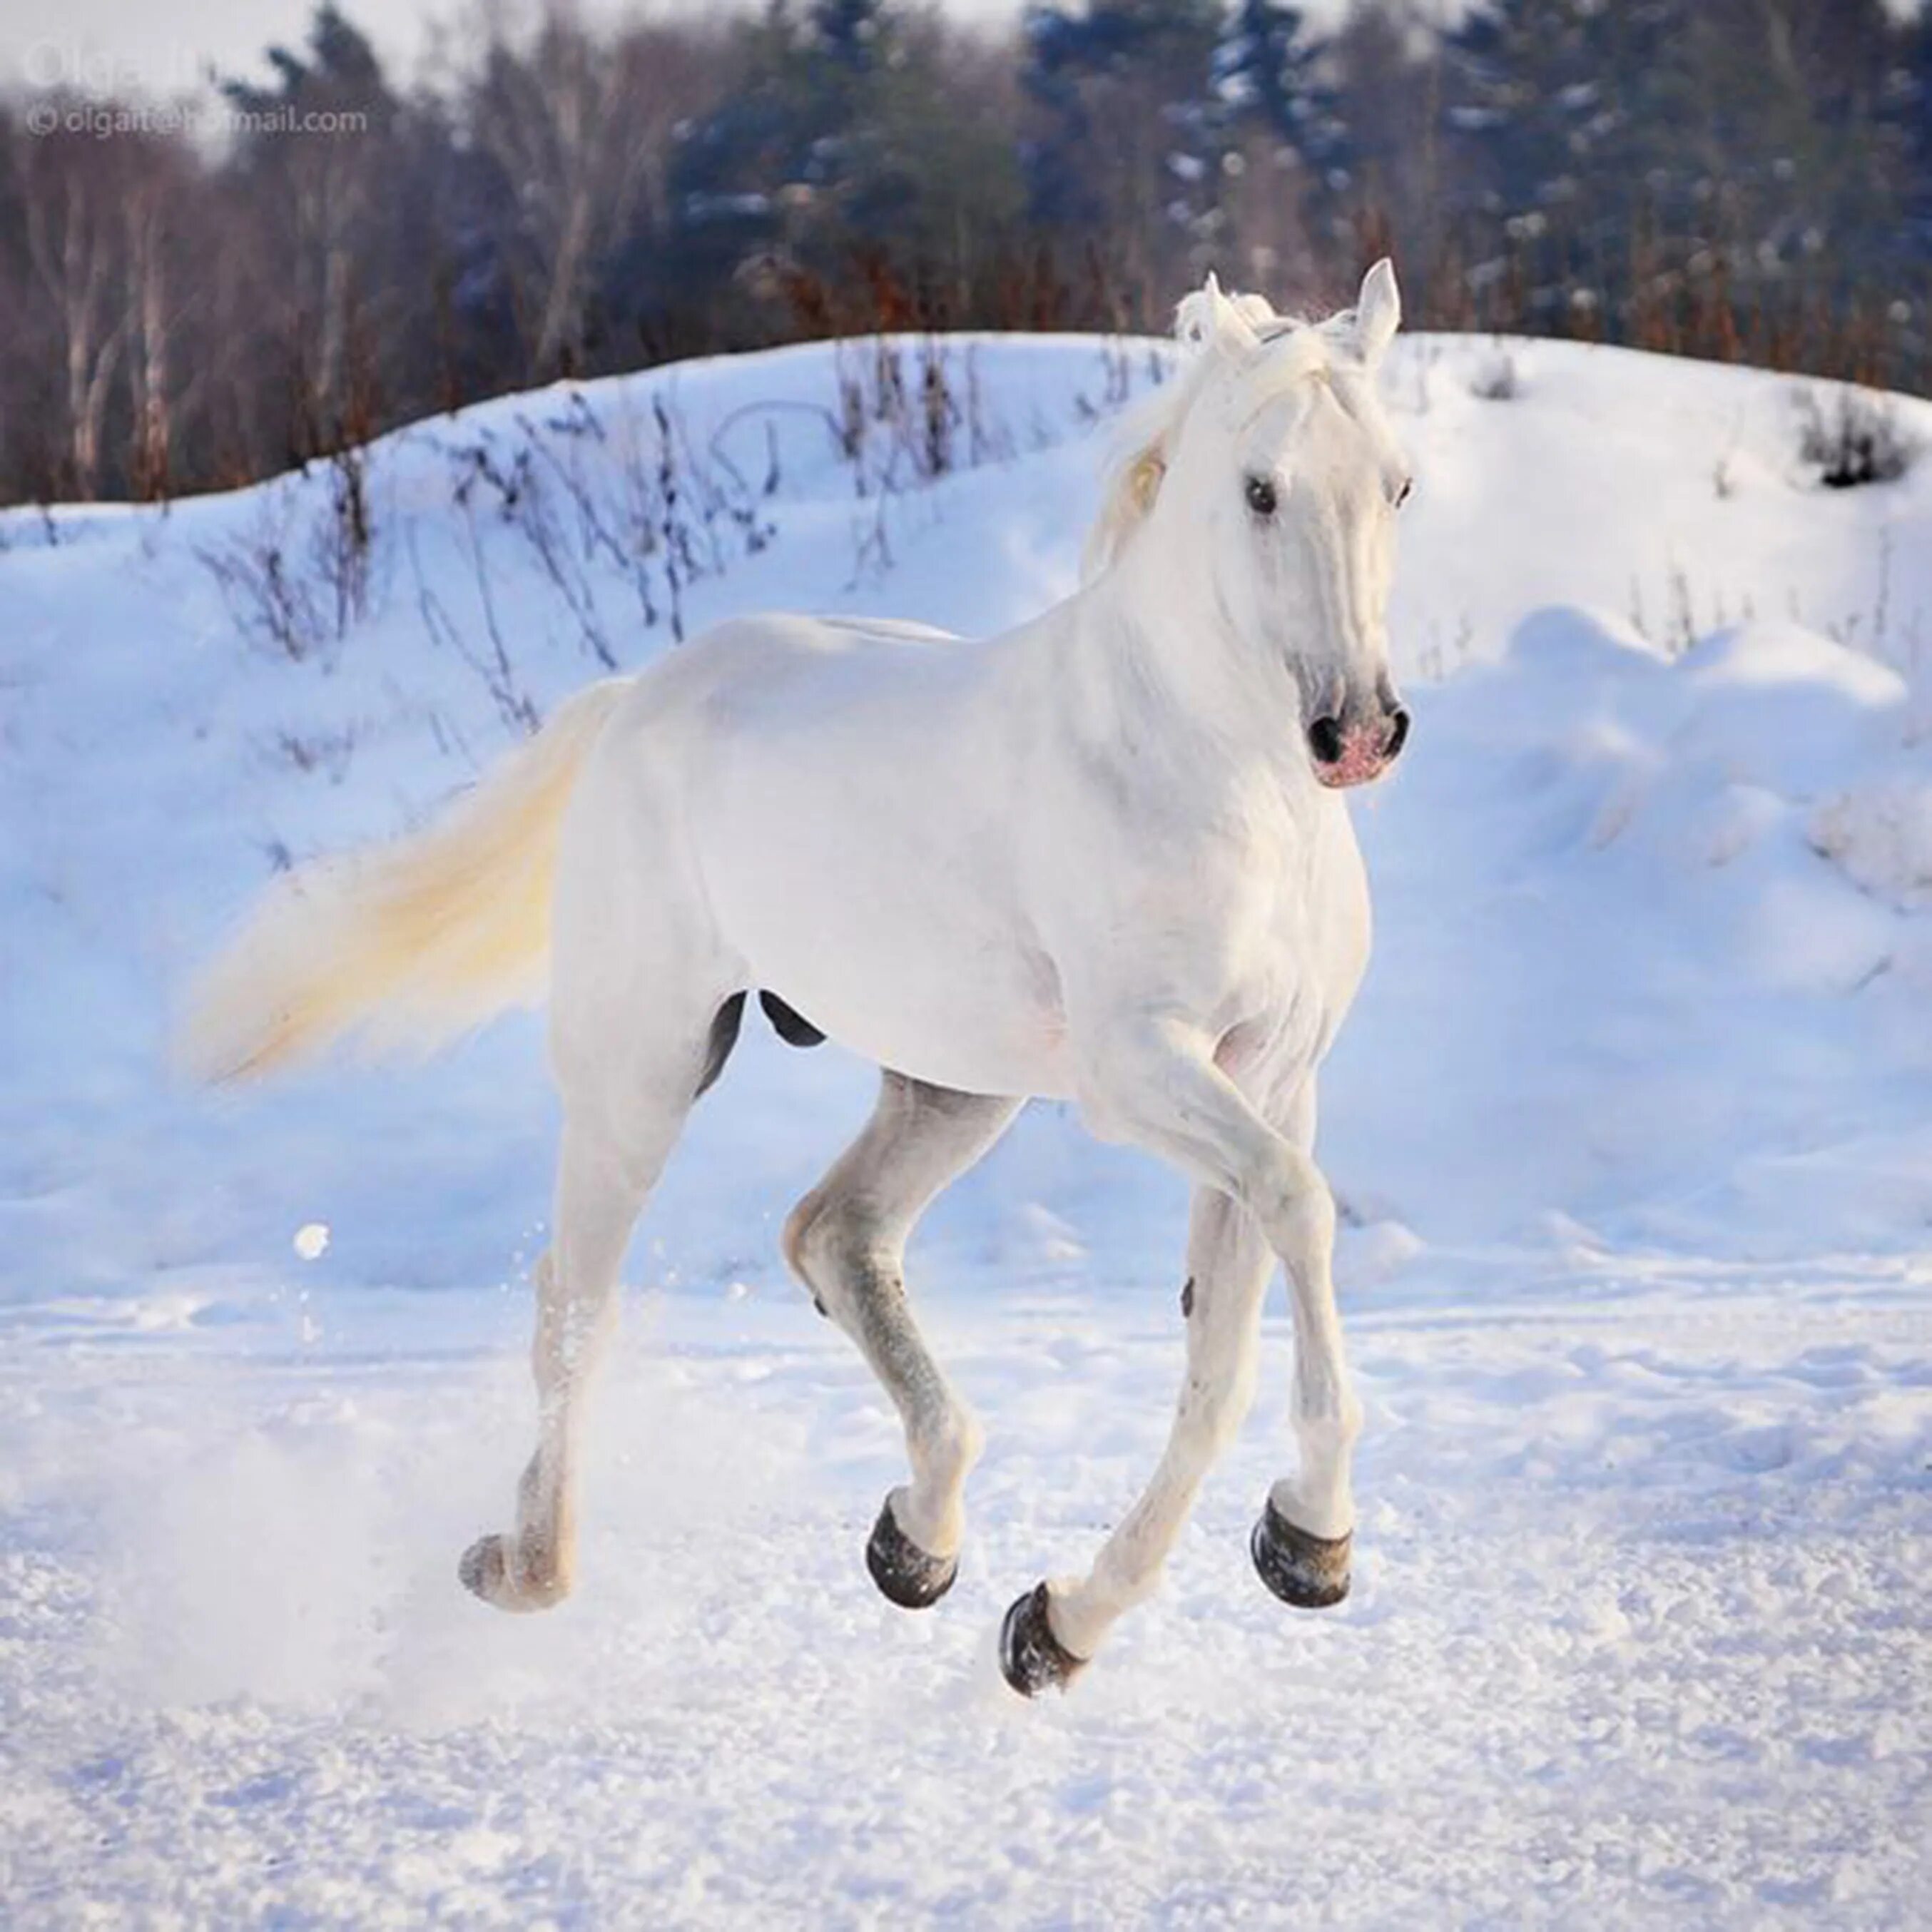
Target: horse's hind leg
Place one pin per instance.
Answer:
(1049, 1633)
(846, 1241)
(633, 1044)
(600, 1188)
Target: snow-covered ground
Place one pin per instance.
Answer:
(1633, 1128)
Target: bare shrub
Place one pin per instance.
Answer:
(614, 504)
(1854, 440)
(495, 668)
(302, 577)
(326, 753)
(343, 542)
(889, 440)
(269, 593)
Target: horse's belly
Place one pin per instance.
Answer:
(962, 1038)
(978, 1017)
(906, 953)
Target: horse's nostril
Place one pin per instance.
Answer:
(1398, 730)
(1325, 739)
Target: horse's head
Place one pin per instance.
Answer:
(1271, 490)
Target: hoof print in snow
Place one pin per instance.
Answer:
(1032, 1659)
(903, 1572)
(1310, 1572)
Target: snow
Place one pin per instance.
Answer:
(1632, 1130)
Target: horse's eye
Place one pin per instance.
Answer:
(1260, 496)
(1407, 490)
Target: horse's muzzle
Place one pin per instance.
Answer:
(1353, 751)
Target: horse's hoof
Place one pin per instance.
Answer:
(485, 1570)
(1031, 1657)
(486, 1573)
(905, 1574)
(1310, 1572)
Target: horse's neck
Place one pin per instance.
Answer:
(1145, 674)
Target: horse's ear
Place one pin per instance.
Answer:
(1378, 310)
(1208, 317)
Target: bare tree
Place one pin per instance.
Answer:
(76, 246)
(162, 189)
(315, 192)
(560, 120)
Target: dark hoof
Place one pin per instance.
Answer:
(1310, 1572)
(903, 1571)
(1031, 1657)
(484, 1572)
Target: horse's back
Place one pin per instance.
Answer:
(781, 674)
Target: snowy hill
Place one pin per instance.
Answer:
(1633, 1129)
(1609, 882)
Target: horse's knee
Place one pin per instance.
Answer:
(1291, 1199)
(791, 1237)
(829, 1241)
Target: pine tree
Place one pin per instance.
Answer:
(338, 69)
(1268, 80)
(1527, 101)
(851, 34)
(1283, 164)
(335, 214)
(1126, 80)
(1787, 124)
(1909, 98)
(1568, 122)
(838, 142)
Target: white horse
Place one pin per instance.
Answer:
(1103, 857)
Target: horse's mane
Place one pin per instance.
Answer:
(1290, 349)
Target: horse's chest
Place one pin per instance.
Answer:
(1297, 941)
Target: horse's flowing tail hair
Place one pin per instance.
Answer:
(411, 944)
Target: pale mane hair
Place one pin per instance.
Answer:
(1289, 349)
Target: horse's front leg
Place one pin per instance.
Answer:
(1301, 1545)
(1050, 1633)
(1158, 1085)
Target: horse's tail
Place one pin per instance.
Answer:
(412, 943)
